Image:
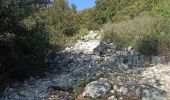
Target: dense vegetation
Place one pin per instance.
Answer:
(143, 24)
(22, 47)
(30, 33)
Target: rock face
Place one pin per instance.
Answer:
(90, 59)
(97, 89)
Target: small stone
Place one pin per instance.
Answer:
(115, 87)
(121, 98)
(138, 90)
(16, 97)
(22, 93)
(124, 66)
(124, 91)
(119, 78)
(120, 89)
(145, 93)
(129, 48)
(112, 91)
(112, 98)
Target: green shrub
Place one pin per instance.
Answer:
(158, 41)
(161, 30)
(82, 32)
(119, 18)
(128, 32)
(145, 33)
(162, 8)
(148, 45)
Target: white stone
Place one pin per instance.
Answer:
(112, 91)
(97, 89)
(111, 98)
(124, 91)
(115, 87)
(129, 48)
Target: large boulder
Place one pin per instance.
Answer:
(97, 89)
(153, 93)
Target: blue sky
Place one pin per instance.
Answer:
(82, 4)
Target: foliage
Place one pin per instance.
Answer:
(134, 8)
(159, 41)
(21, 48)
(74, 8)
(133, 25)
(162, 8)
(130, 31)
(60, 21)
(83, 32)
(150, 35)
(29, 33)
(63, 18)
(86, 19)
(106, 9)
(161, 33)
(119, 10)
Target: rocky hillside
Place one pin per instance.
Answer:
(106, 72)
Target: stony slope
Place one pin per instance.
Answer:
(90, 59)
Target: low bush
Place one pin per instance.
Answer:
(148, 34)
(158, 42)
(128, 32)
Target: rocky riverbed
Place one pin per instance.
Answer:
(117, 74)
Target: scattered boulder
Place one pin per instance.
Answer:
(97, 89)
(153, 93)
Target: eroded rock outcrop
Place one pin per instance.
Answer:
(92, 58)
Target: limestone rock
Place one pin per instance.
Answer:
(152, 93)
(111, 98)
(158, 59)
(97, 89)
